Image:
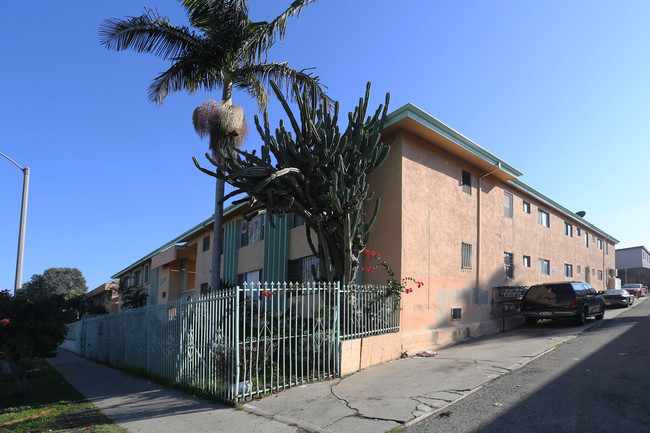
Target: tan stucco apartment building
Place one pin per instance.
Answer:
(453, 216)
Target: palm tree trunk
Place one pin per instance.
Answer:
(217, 238)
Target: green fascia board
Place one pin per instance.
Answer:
(552, 204)
(179, 239)
(412, 112)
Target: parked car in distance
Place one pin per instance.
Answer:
(636, 289)
(573, 299)
(618, 297)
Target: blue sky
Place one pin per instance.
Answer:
(560, 90)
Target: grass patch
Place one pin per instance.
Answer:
(50, 404)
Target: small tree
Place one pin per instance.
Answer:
(30, 327)
(68, 282)
(318, 172)
(132, 297)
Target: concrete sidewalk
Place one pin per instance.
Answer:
(376, 399)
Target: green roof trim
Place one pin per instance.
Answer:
(181, 238)
(554, 205)
(412, 112)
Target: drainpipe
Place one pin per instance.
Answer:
(478, 231)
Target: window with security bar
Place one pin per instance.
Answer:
(509, 265)
(507, 204)
(466, 256)
(300, 270)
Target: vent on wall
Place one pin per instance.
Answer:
(456, 313)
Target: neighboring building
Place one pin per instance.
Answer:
(633, 265)
(106, 296)
(452, 215)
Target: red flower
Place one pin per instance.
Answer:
(4, 322)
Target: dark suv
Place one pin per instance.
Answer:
(561, 300)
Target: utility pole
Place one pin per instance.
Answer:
(23, 223)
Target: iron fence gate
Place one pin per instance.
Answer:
(242, 342)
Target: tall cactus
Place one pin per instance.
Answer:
(318, 173)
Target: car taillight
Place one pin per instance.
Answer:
(521, 305)
(574, 304)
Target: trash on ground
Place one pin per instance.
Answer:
(425, 354)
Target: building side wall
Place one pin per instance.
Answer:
(629, 258)
(437, 216)
(386, 234)
(250, 258)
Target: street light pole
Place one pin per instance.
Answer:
(23, 223)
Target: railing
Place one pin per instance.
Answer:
(243, 342)
(368, 310)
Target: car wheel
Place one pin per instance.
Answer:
(631, 301)
(600, 315)
(531, 321)
(582, 317)
(628, 303)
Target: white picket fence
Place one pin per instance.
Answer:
(243, 342)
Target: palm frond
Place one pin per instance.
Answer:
(252, 85)
(148, 33)
(186, 73)
(282, 74)
(263, 34)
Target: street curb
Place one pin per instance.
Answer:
(472, 391)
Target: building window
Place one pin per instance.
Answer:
(145, 275)
(526, 207)
(600, 244)
(252, 280)
(568, 270)
(507, 204)
(543, 218)
(252, 231)
(578, 269)
(568, 229)
(206, 243)
(600, 275)
(466, 256)
(509, 265)
(577, 231)
(544, 267)
(593, 272)
(301, 270)
(205, 289)
(606, 248)
(137, 278)
(296, 221)
(526, 261)
(466, 182)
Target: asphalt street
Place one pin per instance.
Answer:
(596, 382)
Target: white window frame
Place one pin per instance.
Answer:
(543, 218)
(568, 229)
(544, 267)
(568, 270)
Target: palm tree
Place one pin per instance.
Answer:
(227, 49)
